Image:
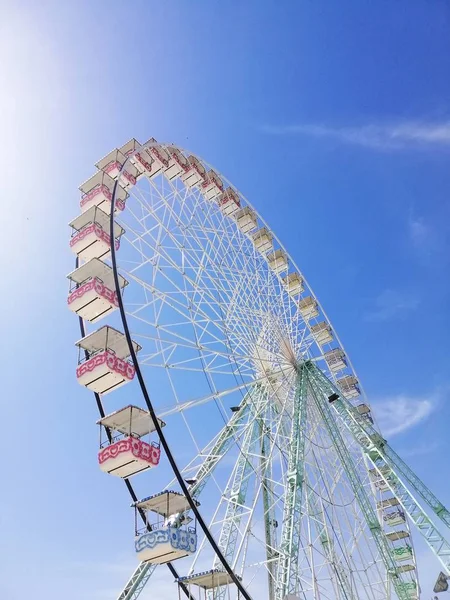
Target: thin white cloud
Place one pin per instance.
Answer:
(419, 232)
(399, 413)
(392, 304)
(394, 136)
(429, 238)
(420, 450)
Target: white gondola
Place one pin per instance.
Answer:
(212, 186)
(376, 440)
(349, 386)
(409, 587)
(322, 333)
(335, 360)
(263, 240)
(405, 568)
(130, 148)
(127, 453)
(382, 484)
(388, 502)
(363, 409)
(139, 157)
(177, 165)
(308, 308)
(90, 234)
(403, 553)
(278, 261)
(157, 152)
(381, 478)
(112, 164)
(163, 538)
(98, 191)
(397, 535)
(229, 202)
(104, 366)
(195, 174)
(151, 160)
(369, 418)
(393, 518)
(375, 473)
(92, 293)
(293, 284)
(246, 219)
(208, 580)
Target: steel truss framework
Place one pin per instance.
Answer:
(299, 488)
(284, 575)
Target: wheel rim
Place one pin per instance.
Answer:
(235, 319)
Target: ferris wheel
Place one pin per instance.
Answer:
(248, 448)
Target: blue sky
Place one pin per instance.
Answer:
(331, 117)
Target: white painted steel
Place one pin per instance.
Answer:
(213, 318)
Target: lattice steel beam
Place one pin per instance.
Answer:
(315, 378)
(382, 456)
(270, 525)
(288, 579)
(137, 581)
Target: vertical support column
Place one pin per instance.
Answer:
(270, 525)
(288, 580)
(321, 402)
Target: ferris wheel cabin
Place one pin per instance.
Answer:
(229, 202)
(405, 568)
(308, 308)
(177, 165)
(195, 174)
(153, 158)
(349, 386)
(362, 411)
(263, 240)
(125, 453)
(129, 149)
(335, 360)
(140, 158)
(278, 261)
(112, 165)
(403, 552)
(246, 219)
(382, 478)
(387, 503)
(212, 186)
(92, 293)
(322, 333)
(397, 535)
(98, 191)
(409, 587)
(90, 235)
(293, 284)
(207, 580)
(104, 365)
(163, 538)
(393, 518)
